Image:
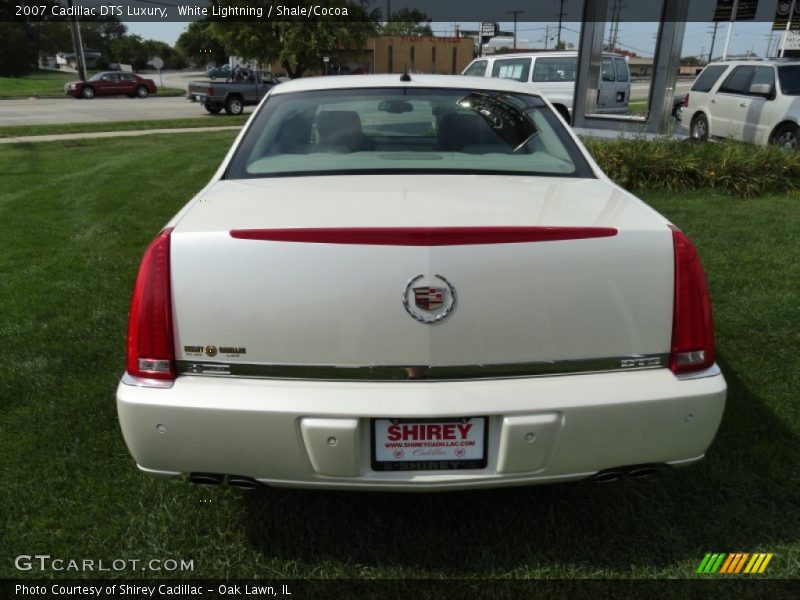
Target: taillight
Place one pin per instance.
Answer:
(685, 100)
(210, 91)
(151, 353)
(692, 325)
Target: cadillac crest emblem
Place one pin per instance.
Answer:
(430, 303)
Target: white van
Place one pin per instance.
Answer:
(553, 74)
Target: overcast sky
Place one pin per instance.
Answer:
(636, 37)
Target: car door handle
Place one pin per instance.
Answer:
(713, 101)
(743, 104)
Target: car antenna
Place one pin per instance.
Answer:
(405, 76)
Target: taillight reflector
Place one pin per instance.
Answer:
(151, 353)
(692, 323)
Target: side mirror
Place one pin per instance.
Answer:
(761, 89)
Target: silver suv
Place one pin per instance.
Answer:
(755, 101)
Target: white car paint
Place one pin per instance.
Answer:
(743, 116)
(558, 85)
(284, 345)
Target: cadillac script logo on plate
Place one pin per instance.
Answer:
(429, 303)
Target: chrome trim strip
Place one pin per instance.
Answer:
(424, 372)
(142, 382)
(711, 371)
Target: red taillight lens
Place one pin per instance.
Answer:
(151, 353)
(692, 325)
(686, 100)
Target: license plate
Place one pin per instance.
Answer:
(429, 444)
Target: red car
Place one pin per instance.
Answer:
(111, 83)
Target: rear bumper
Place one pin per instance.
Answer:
(279, 431)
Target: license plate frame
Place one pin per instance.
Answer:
(448, 462)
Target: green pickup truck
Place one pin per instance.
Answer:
(244, 87)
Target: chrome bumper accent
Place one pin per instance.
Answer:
(424, 372)
(711, 371)
(143, 382)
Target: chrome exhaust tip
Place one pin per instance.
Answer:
(608, 475)
(206, 478)
(243, 483)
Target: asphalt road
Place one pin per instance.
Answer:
(98, 110)
(641, 89)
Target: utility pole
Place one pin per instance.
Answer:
(77, 44)
(713, 39)
(615, 18)
(734, 10)
(560, 18)
(788, 25)
(546, 36)
(515, 13)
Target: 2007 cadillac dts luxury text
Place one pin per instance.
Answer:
(416, 283)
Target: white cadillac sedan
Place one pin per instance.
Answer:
(416, 283)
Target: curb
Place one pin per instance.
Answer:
(111, 134)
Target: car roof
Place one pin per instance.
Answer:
(759, 62)
(393, 81)
(541, 53)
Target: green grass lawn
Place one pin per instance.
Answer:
(637, 107)
(221, 120)
(75, 218)
(45, 84)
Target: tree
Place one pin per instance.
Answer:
(691, 61)
(199, 46)
(130, 50)
(297, 44)
(101, 35)
(171, 57)
(17, 49)
(407, 21)
(23, 40)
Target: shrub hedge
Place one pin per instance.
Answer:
(738, 169)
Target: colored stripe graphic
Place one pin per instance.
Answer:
(731, 560)
(734, 563)
(740, 563)
(765, 563)
(704, 563)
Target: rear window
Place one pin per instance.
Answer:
(419, 130)
(608, 70)
(709, 76)
(554, 68)
(622, 69)
(789, 76)
(512, 68)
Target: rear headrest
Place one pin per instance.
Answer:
(340, 128)
(457, 130)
